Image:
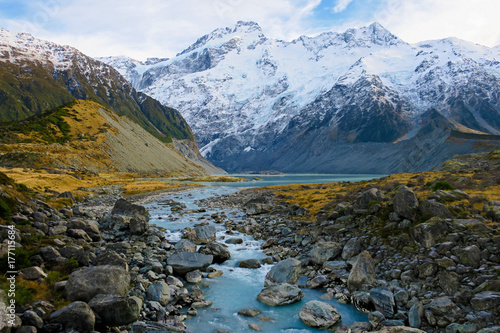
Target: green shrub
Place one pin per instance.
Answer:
(442, 185)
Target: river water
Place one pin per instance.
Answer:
(238, 287)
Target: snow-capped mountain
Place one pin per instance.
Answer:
(253, 101)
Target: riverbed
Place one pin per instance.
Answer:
(238, 287)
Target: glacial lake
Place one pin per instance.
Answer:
(289, 179)
(238, 287)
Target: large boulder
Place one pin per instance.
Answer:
(383, 300)
(324, 251)
(217, 250)
(367, 197)
(77, 252)
(286, 271)
(115, 310)
(492, 210)
(90, 227)
(77, 316)
(32, 273)
(428, 234)
(486, 301)
(123, 207)
(351, 248)
(362, 272)
(183, 262)
(158, 292)
(444, 307)
(405, 203)
(429, 208)
(281, 294)
(139, 224)
(112, 258)
(185, 245)
(203, 234)
(84, 284)
(469, 256)
(319, 314)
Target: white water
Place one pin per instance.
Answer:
(238, 287)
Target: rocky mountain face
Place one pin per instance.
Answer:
(39, 75)
(327, 103)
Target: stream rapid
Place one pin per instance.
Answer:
(238, 287)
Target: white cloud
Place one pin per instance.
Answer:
(156, 27)
(341, 5)
(414, 21)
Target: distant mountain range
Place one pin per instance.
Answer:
(359, 101)
(38, 75)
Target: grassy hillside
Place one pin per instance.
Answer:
(84, 136)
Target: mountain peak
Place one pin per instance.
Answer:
(375, 33)
(241, 27)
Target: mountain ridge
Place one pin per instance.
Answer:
(242, 92)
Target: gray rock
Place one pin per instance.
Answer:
(448, 281)
(383, 300)
(429, 233)
(72, 251)
(194, 276)
(351, 249)
(319, 315)
(434, 209)
(443, 307)
(111, 258)
(486, 300)
(185, 245)
(30, 318)
(57, 230)
(139, 224)
(373, 194)
(158, 292)
(415, 315)
(249, 312)
(203, 234)
(217, 250)
(316, 282)
(250, 263)
(234, 241)
(375, 318)
(405, 203)
(281, 294)
(184, 262)
(115, 310)
(78, 234)
(286, 271)
(470, 256)
(123, 207)
(255, 327)
(362, 272)
(324, 251)
(77, 316)
(49, 254)
(32, 273)
(492, 210)
(449, 196)
(84, 284)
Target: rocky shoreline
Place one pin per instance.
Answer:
(413, 263)
(419, 270)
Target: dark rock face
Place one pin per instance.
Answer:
(217, 250)
(362, 272)
(86, 283)
(406, 203)
(114, 310)
(78, 316)
(123, 207)
(325, 251)
(183, 262)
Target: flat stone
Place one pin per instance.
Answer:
(281, 294)
(248, 312)
(319, 315)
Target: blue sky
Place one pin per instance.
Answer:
(162, 28)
